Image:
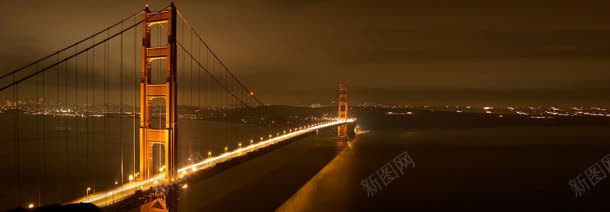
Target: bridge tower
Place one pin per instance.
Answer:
(163, 136)
(342, 111)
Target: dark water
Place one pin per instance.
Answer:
(54, 160)
(463, 161)
(482, 165)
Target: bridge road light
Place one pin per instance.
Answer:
(88, 189)
(239, 145)
(130, 177)
(31, 205)
(209, 154)
(251, 141)
(226, 148)
(116, 182)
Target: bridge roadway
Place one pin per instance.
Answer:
(124, 191)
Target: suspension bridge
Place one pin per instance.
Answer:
(123, 118)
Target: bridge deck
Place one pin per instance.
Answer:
(117, 194)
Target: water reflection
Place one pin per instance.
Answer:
(330, 184)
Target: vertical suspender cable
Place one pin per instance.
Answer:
(93, 73)
(44, 115)
(66, 120)
(199, 95)
(135, 96)
(181, 68)
(191, 95)
(38, 127)
(57, 99)
(105, 113)
(76, 107)
(16, 146)
(87, 114)
(121, 107)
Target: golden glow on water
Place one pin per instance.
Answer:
(331, 177)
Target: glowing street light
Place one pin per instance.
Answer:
(226, 148)
(31, 205)
(209, 154)
(251, 141)
(239, 145)
(130, 177)
(88, 189)
(116, 182)
(185, 186)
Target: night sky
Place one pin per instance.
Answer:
(398, 52)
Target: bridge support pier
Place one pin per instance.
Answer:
(342, 111)
(164, 136)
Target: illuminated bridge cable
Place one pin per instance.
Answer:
(191, 95)
(76, 109)
(199, 94)
(71, 56)
(70, 46)
(57, 66)
(121, 107)
(38, 133)
(219, 61)
(135, 98)
(93, 94)
(43, 175)
(16, 147)
(105, 111)
(86, 111)
(215, 79)
(66, 120)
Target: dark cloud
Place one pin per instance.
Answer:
(408, 52)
